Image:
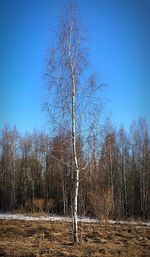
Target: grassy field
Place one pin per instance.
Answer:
(35, 239)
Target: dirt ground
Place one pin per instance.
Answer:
(35, 239)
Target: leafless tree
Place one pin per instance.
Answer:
(70, 91)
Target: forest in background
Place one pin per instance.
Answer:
(36, 174)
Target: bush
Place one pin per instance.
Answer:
(103, 205)
(38, 205)
(32, 205)
(49, 205)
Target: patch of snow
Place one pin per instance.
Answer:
(55, 218)
(44, 218)
(134, 223)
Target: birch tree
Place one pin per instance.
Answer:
(71, 91)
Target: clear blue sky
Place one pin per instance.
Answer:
(119, 33)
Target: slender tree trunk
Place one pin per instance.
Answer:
(75, 170)
(75, 160)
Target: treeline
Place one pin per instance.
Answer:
(36, 172)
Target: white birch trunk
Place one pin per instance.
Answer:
(75, 160)
(75, 174)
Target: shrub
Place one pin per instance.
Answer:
(103, 205)
(49, 205)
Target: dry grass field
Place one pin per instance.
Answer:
(35, 239)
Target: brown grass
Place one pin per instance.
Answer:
(35, 239)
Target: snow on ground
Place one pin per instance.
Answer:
(44, 218)
(55, 218)
(134, 223)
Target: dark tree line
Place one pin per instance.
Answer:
(35, 174)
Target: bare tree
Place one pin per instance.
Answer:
(70, 91)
